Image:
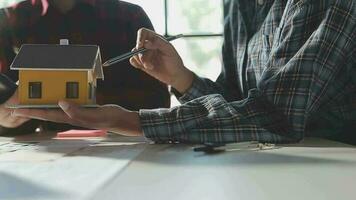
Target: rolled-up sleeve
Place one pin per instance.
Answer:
(300, 81)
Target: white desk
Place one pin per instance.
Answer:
(315, 169)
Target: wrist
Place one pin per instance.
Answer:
(130, 125)
(135, 123)
(184, 82)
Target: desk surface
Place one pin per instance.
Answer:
(122, 168)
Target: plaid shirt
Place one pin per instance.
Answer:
(111, 24)
(289, 71)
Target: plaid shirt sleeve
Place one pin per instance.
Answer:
(309, 70)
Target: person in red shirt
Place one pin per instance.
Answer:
(111, 24)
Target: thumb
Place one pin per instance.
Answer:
(71, 109)
(78, 114)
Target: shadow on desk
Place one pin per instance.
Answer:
(181, 155)
(310, 151)
(24, 188)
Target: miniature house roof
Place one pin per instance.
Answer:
(59, 57)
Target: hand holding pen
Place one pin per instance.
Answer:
(135, 52)
(161, 60)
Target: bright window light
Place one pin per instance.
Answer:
(201, 21)
(7, 3)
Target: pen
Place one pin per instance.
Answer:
(132, 53)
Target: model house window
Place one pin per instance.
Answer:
(72, 90)
(35, 90)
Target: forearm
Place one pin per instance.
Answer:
(212, 119)
(128, 125)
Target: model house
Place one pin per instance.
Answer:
(48, 73)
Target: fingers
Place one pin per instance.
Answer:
(21, 120)
(158, 49)
(7, 119)
(89, 117)
(18, 121)
(147, 59)
(150, 40)
(135, 61)
(70, 114)
(143, 61)
(144, 34)
(13, 122)
(76, 113)
(43, 114)
(108, 116)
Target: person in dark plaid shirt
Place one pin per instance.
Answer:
(111, 24)
(289, 71)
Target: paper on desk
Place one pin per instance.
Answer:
(78, 175)
(29, 156)
(42, 151)
(51, 150)
(13, 147)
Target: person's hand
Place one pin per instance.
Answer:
(108, 117)
(161, 61)
(7, 119)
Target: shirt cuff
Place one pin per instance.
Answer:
(154, 124)
(195, 91)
